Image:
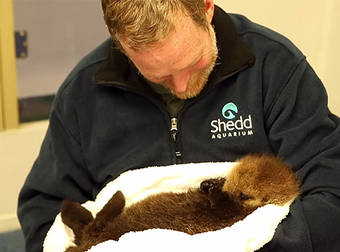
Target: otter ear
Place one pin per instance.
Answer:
(76, 217)
(111, 209)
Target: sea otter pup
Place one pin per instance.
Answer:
(219, 202)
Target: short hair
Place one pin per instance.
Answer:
(145, 22)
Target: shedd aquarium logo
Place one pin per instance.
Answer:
(232, 124)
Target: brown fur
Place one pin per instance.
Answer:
(257, 180)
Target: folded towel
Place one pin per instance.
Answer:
(249, 234)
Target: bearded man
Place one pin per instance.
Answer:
(182, 81)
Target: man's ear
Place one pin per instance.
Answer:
(209, 9)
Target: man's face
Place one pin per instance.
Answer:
(182, 62)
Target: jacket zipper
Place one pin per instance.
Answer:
(174, 132)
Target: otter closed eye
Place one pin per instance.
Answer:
(244, 197)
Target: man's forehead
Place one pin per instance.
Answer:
(176, 55)
(181, 49)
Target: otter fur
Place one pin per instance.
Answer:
(219, 202)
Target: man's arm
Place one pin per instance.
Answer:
(59, 172)
(304, 132)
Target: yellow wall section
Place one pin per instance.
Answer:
(8, 80)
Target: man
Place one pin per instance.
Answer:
(186, 82)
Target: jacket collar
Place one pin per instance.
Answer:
(234, 56)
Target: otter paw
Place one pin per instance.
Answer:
(210, 186)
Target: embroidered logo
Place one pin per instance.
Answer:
(233, 123)
(229, 111)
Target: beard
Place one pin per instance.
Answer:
(199, 79)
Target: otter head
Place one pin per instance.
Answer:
(261, 179)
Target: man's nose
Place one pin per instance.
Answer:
(180, 81)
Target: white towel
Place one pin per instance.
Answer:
(249, 234)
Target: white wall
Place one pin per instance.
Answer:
(310, 24)
(18, 150)
(56, 40)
